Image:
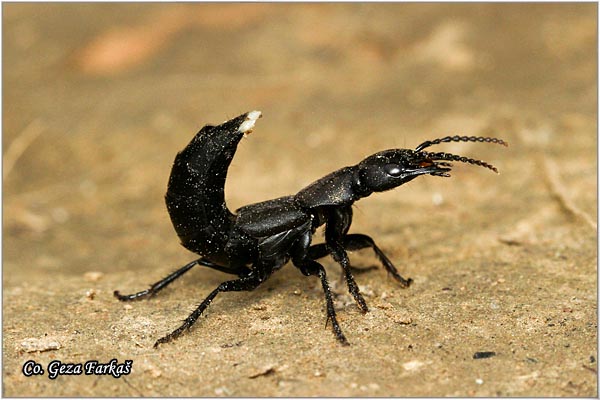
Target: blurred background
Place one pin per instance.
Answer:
(98, 99)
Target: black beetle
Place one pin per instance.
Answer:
(260, 238)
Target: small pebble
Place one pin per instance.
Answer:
(412, 365)
(483, 354)
(31, 345)
(222, 391)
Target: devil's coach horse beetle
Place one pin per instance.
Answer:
(260, 238)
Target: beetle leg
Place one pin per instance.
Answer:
(311, 267)
(337, 226)
(158, 286)
(340, 256)
(248, 283)
(320, 250)
(358, 241)
(163, 283)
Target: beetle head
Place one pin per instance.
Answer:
(391, 168)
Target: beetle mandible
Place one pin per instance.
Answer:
(258, 239)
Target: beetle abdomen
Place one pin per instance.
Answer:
(196, 191)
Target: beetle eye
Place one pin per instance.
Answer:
(392, 169)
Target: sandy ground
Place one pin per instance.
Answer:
(99, 98)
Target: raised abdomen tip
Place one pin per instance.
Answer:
(249, 122)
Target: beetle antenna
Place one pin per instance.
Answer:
(454, 157)
(461, 139)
